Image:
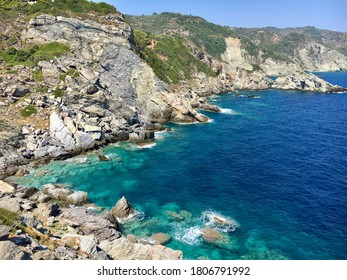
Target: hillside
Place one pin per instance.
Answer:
(307, 48)
(74, 75)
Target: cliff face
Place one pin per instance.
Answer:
(75, 82)
(97, 92)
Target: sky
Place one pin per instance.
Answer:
(324, 14)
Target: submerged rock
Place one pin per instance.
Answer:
(160, 238)
(210, 234)
(122, 209)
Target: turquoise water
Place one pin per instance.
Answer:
(275, 166)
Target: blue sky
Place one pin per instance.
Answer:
(325, 14)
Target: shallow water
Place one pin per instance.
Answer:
(274, 166)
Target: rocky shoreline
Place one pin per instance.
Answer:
(56, 223)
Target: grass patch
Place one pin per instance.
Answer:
(58, 93)
(7, 217)
(73, 73)
(38, 76)
(28, 111)
(32, 55)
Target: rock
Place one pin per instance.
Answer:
(160, 238)
(26, 192)
(90, 224)
(42, 20)
(103, 158)
(56, 192)
(132, 238)
(94, 111)
(306, 82)
(122, 209)
(84, 141)
(91, 128)
(77, 198)
(12, 204)
(4, 232)
(123, 249)
(87, 244)
(46, 210)
(28, 220)
(9, 251)
(210, 235)
(20, 92)
(65, 253)
(43, 255)
(5, 187)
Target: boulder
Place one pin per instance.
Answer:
(210, 234)
(56, 192)
(9, 251)
(43, 255)
(90, 224)
(86, 244)
(84, 141)
(46, 210)
(160, 238)
(12, 204)
(4, 232)
(123, 249)
(77, 198)
(5, 187)
(122, 209)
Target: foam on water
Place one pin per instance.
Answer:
(188, 235)
(219, 222)
(228, 111)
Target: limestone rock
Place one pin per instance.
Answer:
(9, 251)
(5, 187)
(77, 198)
(87, 244)
(123, 249)
(210, 234)
(91, 224)
(46, 210)
(4, 232)
(305, 82)
(160, 238)
(122, 209)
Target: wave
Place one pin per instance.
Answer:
(137, 216)
(218, 222)
(146, 145)
(228, 111)
(190, 236)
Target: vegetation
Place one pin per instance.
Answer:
(28, 111)
(10, 8)
(38, 76)
(7, 217)
(202, 33)
(32, 55)
(58, 93)
(169, 58)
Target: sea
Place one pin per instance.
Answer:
(268, 174)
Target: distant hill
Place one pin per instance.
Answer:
(309, 48)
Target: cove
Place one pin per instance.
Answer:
(275, 165)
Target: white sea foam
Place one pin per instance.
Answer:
(78, 160)
(147, 146)
(219, 222)
(228, 111)
(137, 216)
(190, 236)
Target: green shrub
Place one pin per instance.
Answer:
(170, 59)
(28, 111)
(34, 54)
(58, 93)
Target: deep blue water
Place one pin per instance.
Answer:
(276, 165)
